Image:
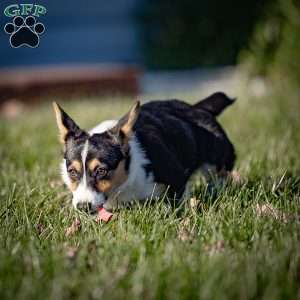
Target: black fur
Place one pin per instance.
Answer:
(103, 147)
(215, 103)
(178, 138)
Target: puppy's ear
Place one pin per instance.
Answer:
(124, 129)
(66, 126)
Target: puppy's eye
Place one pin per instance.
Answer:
(73, 173)
(100, 172)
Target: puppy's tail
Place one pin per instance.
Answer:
(215, 103)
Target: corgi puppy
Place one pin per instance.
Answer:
(154, 148)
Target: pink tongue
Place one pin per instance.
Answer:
(103, 215)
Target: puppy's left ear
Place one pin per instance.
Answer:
(66, 126)
(124, 129)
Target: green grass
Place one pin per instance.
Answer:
(231, 252)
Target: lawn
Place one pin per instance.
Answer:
(243, 245)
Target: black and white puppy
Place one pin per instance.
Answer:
(154, 147)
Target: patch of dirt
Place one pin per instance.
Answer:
(268, 210)
(40, 228)
(75, 227)
(185, 232)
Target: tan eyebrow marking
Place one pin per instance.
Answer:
(76, 164)
(93, 163)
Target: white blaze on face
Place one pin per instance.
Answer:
(83, 194)
(83, 159)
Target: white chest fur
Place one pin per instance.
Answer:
(139, 185)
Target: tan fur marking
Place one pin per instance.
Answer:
(93, 164)
(132, 117)
(62, 129)
(76, 164)
(73, 185)
(104, 186)
(119, 176)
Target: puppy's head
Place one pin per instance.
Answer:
(94, 166)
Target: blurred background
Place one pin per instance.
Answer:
(159, 47)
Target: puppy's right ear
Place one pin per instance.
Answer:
(66, 126)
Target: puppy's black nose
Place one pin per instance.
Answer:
(84, 206)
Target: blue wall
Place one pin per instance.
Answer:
(91, 31)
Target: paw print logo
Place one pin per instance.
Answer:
(24, 32)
